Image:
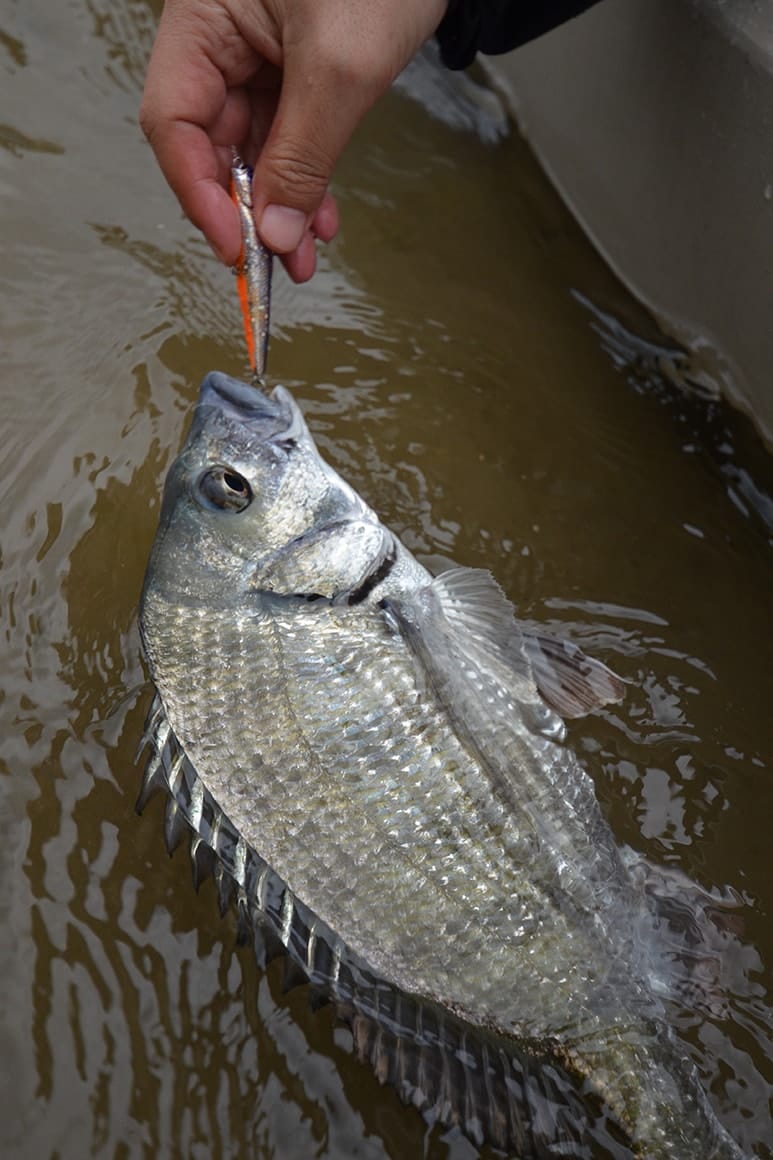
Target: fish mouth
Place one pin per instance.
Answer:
(241, 400)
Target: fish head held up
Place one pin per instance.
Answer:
(252, 501)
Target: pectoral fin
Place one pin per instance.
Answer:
(465, 627)
(570, 682)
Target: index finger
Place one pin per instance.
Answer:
(189, 115)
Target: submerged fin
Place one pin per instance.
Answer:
(202, 861)
(224, 884)
(153, 782)
(273, 943)
(244, 926)
(293, 974)
(154, 738)
(259, 947)
(700, 936)
(175, 826)
(570, 682)
(318, 998)
(465, 1078)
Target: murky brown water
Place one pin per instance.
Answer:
(464, 361)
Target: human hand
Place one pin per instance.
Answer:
(284, 81)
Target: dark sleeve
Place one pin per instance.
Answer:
(493, 26)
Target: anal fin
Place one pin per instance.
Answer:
(202, 861)
(153, 782)
(175, 826)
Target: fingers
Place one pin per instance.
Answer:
(302, 262)
(196, 174)
(333, 72)
(324, 224)
(189, 116)
(212, 82)
(338, 57)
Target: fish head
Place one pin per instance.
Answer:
(250, 503)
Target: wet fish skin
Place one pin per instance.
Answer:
(379, 739)
(411, 1043)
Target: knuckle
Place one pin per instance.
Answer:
(365, 72)
(301, 169)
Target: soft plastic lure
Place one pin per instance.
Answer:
(253, 272)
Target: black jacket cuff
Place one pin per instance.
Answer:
(495, 26)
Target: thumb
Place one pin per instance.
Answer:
(322, 100)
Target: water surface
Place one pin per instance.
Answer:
(474, 370)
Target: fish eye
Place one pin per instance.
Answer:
(222, 488)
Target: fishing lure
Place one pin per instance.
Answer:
(253, 272)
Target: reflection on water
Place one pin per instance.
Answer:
(730, 447)
(471, 367)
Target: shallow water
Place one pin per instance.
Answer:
(470, 366)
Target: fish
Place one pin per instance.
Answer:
(253, 272)
(372, 762)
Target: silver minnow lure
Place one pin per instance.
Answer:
(371, 760)
(253, 271)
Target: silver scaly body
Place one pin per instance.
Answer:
(371, 755)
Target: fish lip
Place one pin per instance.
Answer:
(240, 400)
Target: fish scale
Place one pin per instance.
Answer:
(427, 805)
(394, 1033)
(374, 759)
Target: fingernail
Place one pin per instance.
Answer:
(282, 228)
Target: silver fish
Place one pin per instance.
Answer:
(371, 762)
